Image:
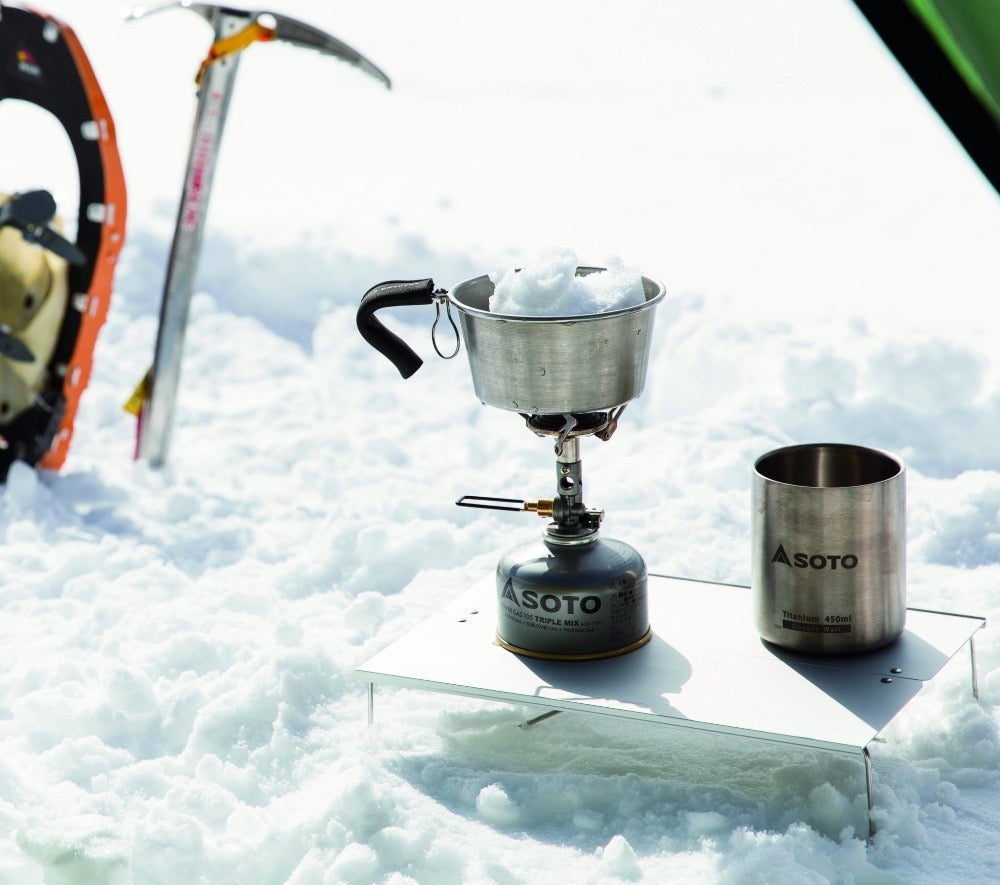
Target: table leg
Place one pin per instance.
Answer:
(536, 719)
(975, 673)
(371, 703)
(868, 787)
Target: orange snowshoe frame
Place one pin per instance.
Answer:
(42, 62)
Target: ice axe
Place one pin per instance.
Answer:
(235, 30)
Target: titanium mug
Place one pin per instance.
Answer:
(828, 534)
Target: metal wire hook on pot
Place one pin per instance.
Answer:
(439, 296)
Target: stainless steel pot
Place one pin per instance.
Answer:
(531, 365)
(828, 528)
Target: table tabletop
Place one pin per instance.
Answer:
(705, 667)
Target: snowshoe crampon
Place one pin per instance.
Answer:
(54, 293)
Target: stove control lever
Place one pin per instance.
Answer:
(543, 506)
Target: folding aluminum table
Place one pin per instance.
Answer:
(705, 668)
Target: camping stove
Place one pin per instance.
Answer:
(570, 594)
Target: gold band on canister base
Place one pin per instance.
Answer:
(590, 656)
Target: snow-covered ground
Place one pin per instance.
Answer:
(177, 697)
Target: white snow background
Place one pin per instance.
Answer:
(177, 698)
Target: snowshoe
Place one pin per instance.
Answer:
(54, 294)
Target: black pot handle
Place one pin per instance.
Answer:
(393, 293)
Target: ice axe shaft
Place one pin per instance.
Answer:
(210, 118)
(234, 30)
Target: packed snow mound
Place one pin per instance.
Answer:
(549, 286)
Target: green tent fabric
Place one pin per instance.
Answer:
(951, 51)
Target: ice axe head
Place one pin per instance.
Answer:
(272, 26)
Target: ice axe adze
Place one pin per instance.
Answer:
(235, 29)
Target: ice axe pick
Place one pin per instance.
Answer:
(235, 30)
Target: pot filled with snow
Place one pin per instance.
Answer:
(549, 339)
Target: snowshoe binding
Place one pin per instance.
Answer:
(54, 293)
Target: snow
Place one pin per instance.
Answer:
(548, 285)
(177, 698)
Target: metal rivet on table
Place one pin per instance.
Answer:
(887, 679)
(896, 670)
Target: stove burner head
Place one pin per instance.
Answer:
(553, 425)
(573, 424)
